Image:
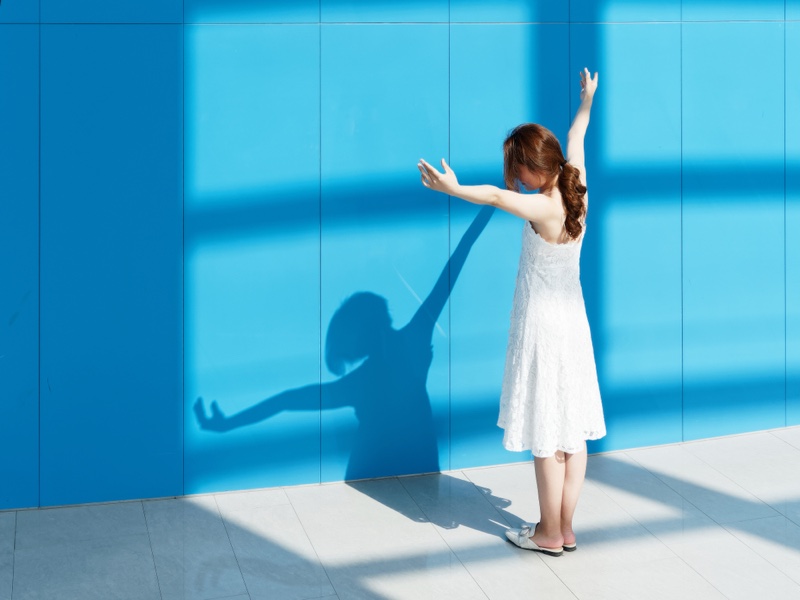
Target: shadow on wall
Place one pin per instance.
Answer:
(383, 376)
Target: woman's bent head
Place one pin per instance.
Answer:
(533, 148)
(531, 153)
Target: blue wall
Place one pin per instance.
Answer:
(208, 201)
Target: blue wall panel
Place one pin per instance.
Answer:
(19, 266)
(733, 228)
(499, 78)
(598, 11)
(631, 260)
(792, 226)
(509, 11)
(408, 11)
(111, 308)
(384, 251)
(19, 11)
(252, 255)
(119, 11)
(251, 11)
(793, 10)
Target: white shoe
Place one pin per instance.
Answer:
(522, 538)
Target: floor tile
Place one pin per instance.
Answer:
(776, 539)
(703, 486)
(119, 567)
(666, 578)
(638, 491)
(451, 501)
(607, 534)
(599, 522)
(193, 555)
(275, 555)
(375, 542)
(761, 463)
(233, 501)
(8, 526)
(474, 530)
(46, 527)
(701, 520)
(510, 488)
(6, 574)
(790, 435)
(727, 563)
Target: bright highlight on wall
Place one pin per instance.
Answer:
(220, 270)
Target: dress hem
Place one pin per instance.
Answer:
(541, 453)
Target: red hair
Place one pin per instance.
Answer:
(536, 148)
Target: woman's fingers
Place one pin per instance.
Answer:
(429, 168)
(424, 176)
(430, 171)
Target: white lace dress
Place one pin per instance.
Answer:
(550, 399)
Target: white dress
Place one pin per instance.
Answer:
(550, 399)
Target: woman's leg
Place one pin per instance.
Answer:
(574, 474)
(550, 473)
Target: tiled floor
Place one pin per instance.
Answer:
(710, 519)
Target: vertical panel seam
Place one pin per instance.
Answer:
(449, 242)
(39, 265)
(319, 214)
(785, 232)
(683, 314)
(183, 247)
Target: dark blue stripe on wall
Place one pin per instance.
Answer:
(111, 262)
(19, 265)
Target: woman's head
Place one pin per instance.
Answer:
(532, 156)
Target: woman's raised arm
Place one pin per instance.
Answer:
(577, 132)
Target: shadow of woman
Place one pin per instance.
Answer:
(383, 376)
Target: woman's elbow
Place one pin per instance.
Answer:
(494, 199)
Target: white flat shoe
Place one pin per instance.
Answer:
(522, 539)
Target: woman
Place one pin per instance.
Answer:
(550, 403)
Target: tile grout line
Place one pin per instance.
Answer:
(14, 555)
(439, 533)
(313, 547)
(784, 441)
(152, 551)
(230, 543)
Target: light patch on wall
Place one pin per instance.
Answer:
(642, 317)
(252, 111)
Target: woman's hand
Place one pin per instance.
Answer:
(441, 182)
(588, 84)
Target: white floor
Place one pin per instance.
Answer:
(711, 519)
